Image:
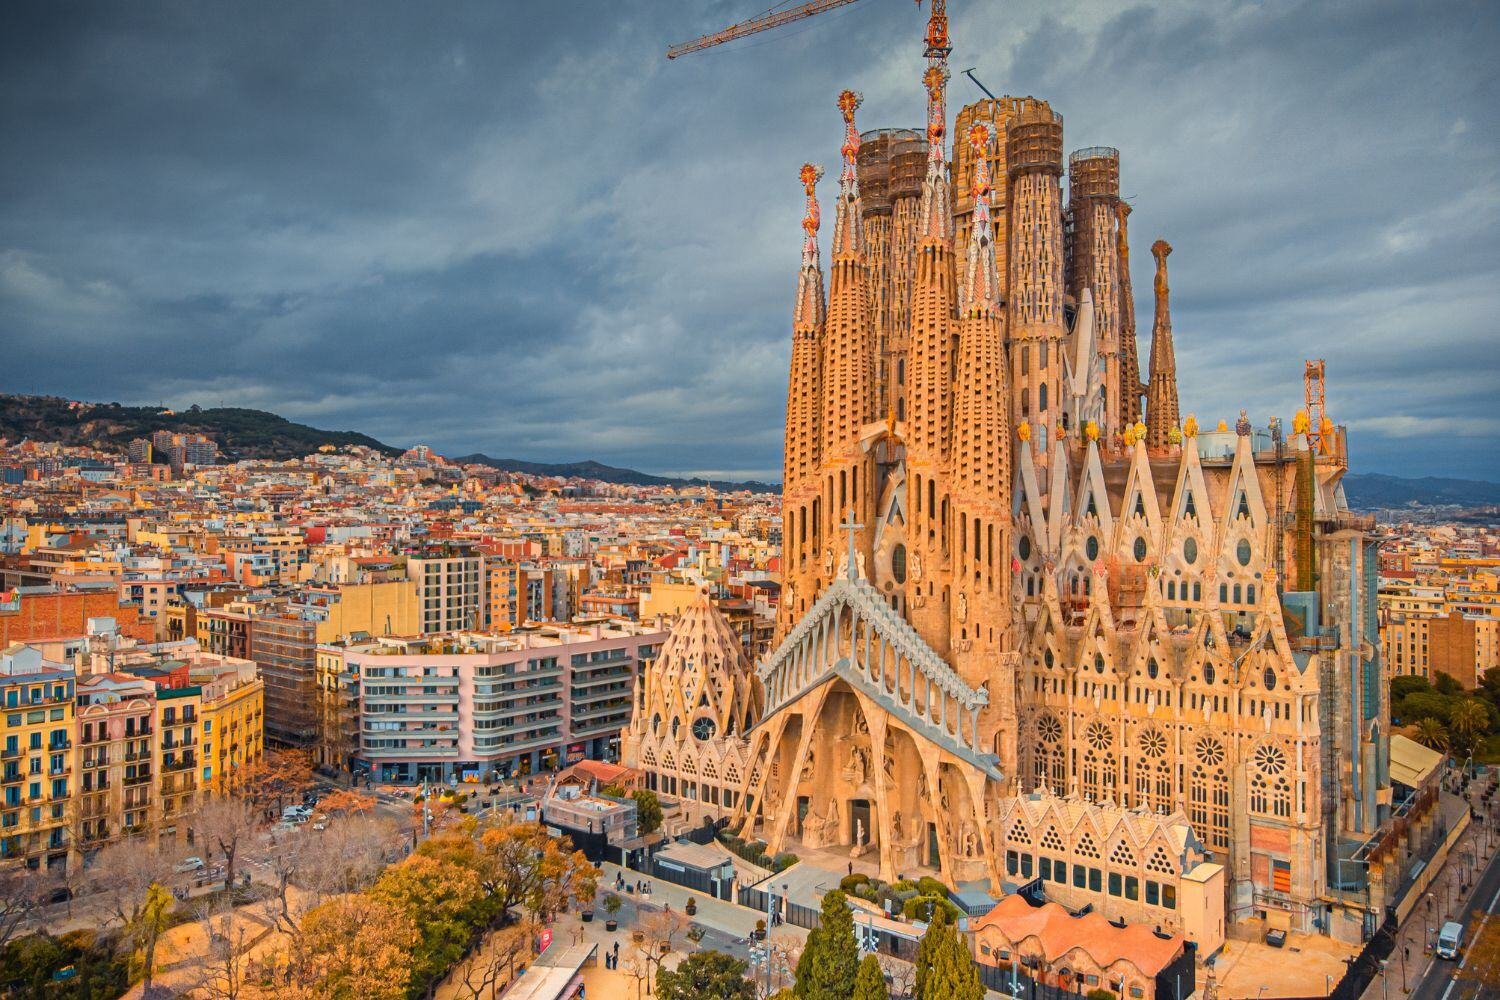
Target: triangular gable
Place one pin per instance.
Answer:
(1059, 498)
(1140, 492)
(1029, 498)
(1244, 483)
(1191, 486)
(1091, 488)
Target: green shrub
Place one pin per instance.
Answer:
(930, 886)
(784, 861)
(849, 883)
(1099, 994)
(922, 907)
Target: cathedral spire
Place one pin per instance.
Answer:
(1130, 366)
(936, 220)
(809, 310)
(981, 282)
(848, 228)
(1161, 393)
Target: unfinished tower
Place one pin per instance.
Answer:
(891, 165)
(1161, 393)
(1093, 192)
(1036, 325)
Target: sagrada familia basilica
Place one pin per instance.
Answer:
(1029, 628)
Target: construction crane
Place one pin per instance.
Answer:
(770, 19)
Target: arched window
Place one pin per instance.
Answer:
(1041, 398)
(1025, 402)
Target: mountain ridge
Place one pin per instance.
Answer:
(592, 469)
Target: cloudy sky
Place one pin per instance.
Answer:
(517, 228)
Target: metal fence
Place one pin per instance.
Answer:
(795, 914)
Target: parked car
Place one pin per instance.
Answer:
(190, 864)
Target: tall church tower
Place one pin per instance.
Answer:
(930, 357)
(849, 387)
(1130, 366)
(1161, 393)
(1037, 327)
(981, 473)
(1093, 191)
(803, 442)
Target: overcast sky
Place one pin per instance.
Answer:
(518, 229)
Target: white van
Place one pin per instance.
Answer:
(1450, 940)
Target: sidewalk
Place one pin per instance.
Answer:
(731, 918)
(1446, 900)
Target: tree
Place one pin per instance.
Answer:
(1468, 721)
(124, 871)
(1405, 684)
(532, 868)
(445, 902)
(658, 931)
(152, 918)
(486, 972)
(306, 869)
(1446, 685)
(945, 969)
(224, 962)
(1423, 705)
(23, 892)
(280, 778)
(347, 802)
(353, 947)
(647, 810)
(1432, 734)
(224, 823)
(869, 982)
(829, 964)
(705, 975)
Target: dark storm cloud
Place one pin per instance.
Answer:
(518, 229)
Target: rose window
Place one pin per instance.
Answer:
(1270, 759)
(1049, 729)
(1153, 743)
(1211, 752)
(1099, 737)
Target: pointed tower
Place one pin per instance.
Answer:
(929, 365)
(1130, 364)
(849, 387)
(803, 446)
(1035, 323)
(1161, 393)
(980, 611)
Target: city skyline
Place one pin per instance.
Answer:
(346, 223)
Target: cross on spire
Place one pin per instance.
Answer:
(851, 527)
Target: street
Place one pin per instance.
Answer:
(1444, 979)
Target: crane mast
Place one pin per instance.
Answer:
(757, 24)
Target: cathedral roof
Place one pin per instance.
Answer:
(1059, 932)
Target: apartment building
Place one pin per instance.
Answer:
(465, 706)
(38, 759)
(1436, 627)
(448, 581)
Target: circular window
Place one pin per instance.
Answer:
(1208, 673)
(1047, 657)
(1024, 547)
(1099, 736)
(898, 563)
(1270, 759)
(1099, 663)
(704, 728)
(1210, 751)
(1092, 547)
(1049, 729)
(1140, 550)
(1153, 743)
(1242, 552)
(1190, 550)
(1269, 679)
(1151, 668)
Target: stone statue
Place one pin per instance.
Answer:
(808, 763)
(963, 607)
(896, 827)
(857, 770)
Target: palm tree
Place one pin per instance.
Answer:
(1469, 720)
(1431, 734)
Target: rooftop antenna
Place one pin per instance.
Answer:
(970, 74)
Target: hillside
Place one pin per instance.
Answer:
(609, 474)
(240, 433)
(1370, 490)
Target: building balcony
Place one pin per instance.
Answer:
(10, 753)
(179, 764)
(602, 695)
(601, 727)
(583, 677)
(614, 708)
(139, 779)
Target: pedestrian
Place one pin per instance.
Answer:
(851, 868)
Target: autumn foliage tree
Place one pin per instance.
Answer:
(280, 779)
(352, 948)
(448, 905)
(531, 868)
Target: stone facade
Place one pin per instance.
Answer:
(1003, 589)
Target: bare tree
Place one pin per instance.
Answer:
(491, 966)
(307, 868)
(123, 872)
(900, 976)
(23, 893)
(223, 964)
(225, 824)
(658, 933)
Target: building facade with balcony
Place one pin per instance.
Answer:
(470, 706)
(38, 759)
